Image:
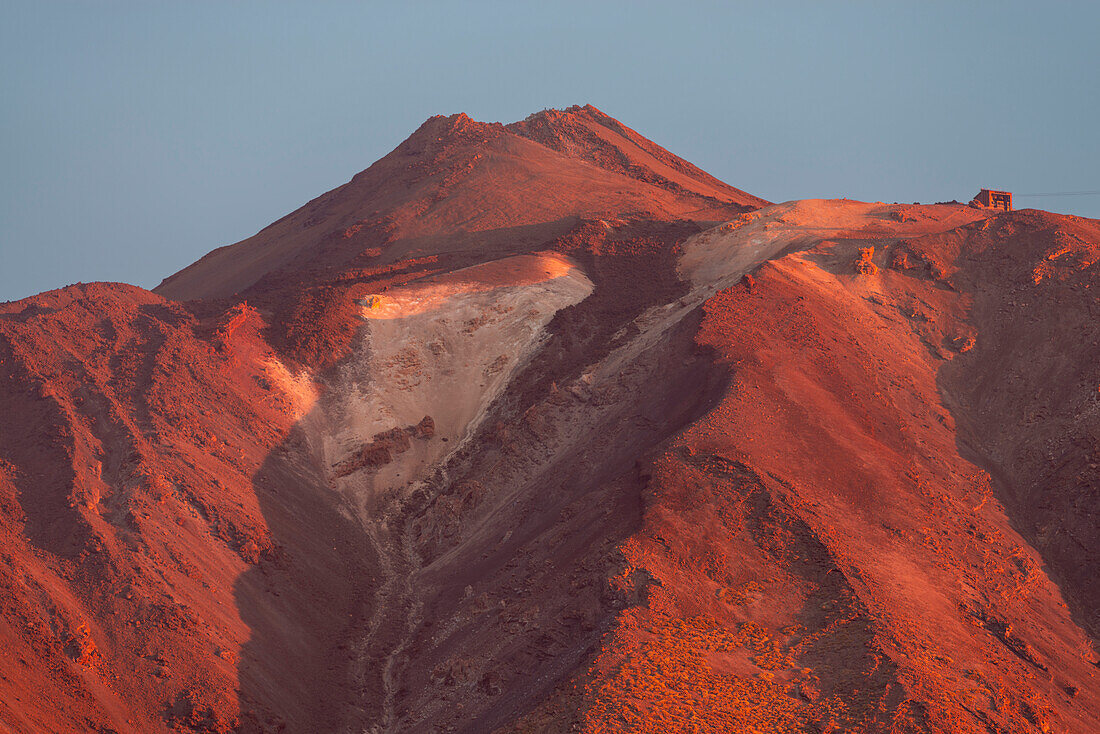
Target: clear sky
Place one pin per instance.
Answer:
(135, 137)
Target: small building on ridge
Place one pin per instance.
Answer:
(991, 199)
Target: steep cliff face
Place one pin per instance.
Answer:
(541, 428)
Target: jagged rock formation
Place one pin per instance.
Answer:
(540, 428)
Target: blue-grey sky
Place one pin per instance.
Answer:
(135, 137)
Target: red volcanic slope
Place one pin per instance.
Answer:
(334, 478)
(857, 536)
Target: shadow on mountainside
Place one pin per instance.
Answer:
(464, 603)
(303, 599)
(1045, 508)
(1025, 395)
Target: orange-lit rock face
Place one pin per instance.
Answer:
(618, 450)
(433, 294)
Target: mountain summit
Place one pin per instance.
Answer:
(456, 177)
(540, 428)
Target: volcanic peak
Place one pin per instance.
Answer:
(441, 132)
(455, 176)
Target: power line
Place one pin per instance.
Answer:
(1063, 193)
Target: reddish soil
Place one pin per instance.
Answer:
(830, 553)
(854, 489)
